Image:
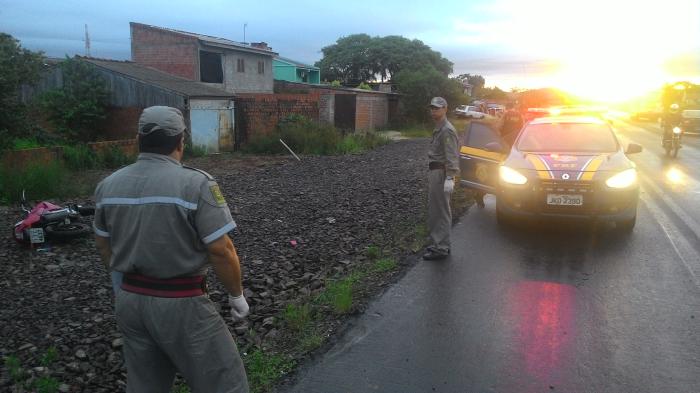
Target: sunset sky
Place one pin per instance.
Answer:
(602, 49)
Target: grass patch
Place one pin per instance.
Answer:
(25, 143)
(265, 369)
(373, 252)
(114, 157)
(49, 357)
(46, 384)
(40, 181)
(338, 294)
(384, 265)
(297, 317)
(13, 366)
(420, 233)
(310, 342)
(180, 388)
(78, 157)
(304, 136)
(194, 151)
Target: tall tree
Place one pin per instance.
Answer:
(18, 66)
(361, 58)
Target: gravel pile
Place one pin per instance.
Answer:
(299, 224)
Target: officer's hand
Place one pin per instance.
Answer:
(449, 184)
(239, 307)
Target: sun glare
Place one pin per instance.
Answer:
(607, 50)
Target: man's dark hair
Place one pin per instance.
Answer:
(159, 143)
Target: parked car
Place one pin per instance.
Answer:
(566, 167)
(469, 111)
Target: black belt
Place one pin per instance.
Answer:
(436, 165)
(164, 287)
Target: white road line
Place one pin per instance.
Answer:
(685, 251)
(677, 210)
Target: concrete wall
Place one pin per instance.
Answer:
(176, 54)
(326, 108)
(249, 81)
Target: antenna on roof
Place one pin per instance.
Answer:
(87, 42)
(244, 26)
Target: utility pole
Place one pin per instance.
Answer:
(244, 26)
(87, 42)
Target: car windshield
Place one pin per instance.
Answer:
(567, 137)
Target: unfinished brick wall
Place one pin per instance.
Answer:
(171, 52)
(258, 114)
(19, 159)
(128, 146)
(372, 112)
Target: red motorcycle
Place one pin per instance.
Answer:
(48, 221)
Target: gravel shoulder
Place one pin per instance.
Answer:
(301, 227)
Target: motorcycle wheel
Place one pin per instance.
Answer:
(675, 149)
(67, 231)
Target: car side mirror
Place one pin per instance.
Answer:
(633, 148)
(494, 146)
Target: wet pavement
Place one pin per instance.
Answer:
(554, 307)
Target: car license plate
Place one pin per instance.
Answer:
(565, 199)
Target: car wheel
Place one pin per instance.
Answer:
(503, 219)
(626, 226)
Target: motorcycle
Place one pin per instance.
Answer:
(48, 221)
(674, 144)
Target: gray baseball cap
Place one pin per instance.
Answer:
(438, 102)
(161, 118)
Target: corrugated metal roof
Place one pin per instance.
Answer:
(295, 63)
(216, 41)
(158, 78)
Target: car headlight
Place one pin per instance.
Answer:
(511, 176)
(623, 179)
(676, 130)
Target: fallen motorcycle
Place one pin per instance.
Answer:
(46, 221)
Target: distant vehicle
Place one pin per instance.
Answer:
(469, 111)
(561, 167)
(691, 120)
(650, 114)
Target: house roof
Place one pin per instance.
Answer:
(295, 63)
(158, 78)
(214, 41)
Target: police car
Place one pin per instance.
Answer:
(566, 166)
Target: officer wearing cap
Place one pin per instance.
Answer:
(162, 224)
(443, 162)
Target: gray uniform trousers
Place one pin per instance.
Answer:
(439, 213)
(165, 335)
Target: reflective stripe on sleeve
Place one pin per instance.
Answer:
(99, 232)
(219, 232)
(147, 201)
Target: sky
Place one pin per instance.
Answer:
(608, 50)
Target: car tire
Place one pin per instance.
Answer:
(503, 219)
(626, 226)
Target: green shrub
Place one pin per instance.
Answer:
(338, 294)
(13, 366)
(49, 357)
(113, 157)
(373, 252)
(195, 151)
(25, 143)
(79, 157)
(40, 181)
(364, 86)
(384, 265)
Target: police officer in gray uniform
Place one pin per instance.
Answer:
(161, 224)
(443, 161)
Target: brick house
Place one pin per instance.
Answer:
(232, 66)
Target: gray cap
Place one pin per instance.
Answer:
(438, 102)
(161, 118)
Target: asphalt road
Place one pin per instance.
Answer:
(546, 309)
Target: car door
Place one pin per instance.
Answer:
(481, 152)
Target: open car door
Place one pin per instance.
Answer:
(481, 152)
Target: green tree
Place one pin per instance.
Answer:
(77, 108)
(361, 58)
(493, 93)
(420, 85)
(18, 66)
(477, 82)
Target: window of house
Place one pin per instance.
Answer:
(210, 69)
(261, 67)
(240, 65)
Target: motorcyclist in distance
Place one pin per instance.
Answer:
(672, 118)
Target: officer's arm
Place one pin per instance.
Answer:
(104, 248)
(224, 259)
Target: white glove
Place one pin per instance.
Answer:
(239, 307)
(449, 184)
